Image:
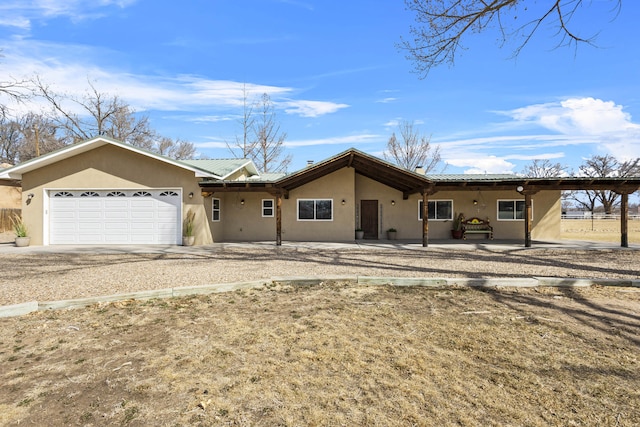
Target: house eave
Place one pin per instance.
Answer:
(17, 171)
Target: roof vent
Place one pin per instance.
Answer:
(420, 170)
(309, 162)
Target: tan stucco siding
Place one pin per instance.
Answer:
(109, 167)
(547, 215)
(337, 186)
(243, 221)
(389, 215)
(545, 224)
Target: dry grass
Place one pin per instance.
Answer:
(333, 354)
(598, 230)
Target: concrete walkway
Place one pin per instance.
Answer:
(454, 245)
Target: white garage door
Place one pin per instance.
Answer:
(114, 217)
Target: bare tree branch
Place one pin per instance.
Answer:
(442, 24)
(244, 144)
(543, 168)
(269, 152)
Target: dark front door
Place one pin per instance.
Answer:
(369, 218)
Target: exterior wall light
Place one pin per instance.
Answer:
(242, 202)
(191, 195)
(344, 201)
(30, 196)
(475, 202)
(519, 188)
(393, 203)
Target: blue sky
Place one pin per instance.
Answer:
(336, 77)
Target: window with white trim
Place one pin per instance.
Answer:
(511, 210)
(315, 209)
(215, 210)
(267, 207)
(439, 210)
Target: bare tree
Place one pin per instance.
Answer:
(244, 146)
(40, 136)
(26, 137)
(269, 141)
(102, 114)
(543, 168)
(413, 149)
(106, 115)
(604, 167)
(442, 24)
(178, 149)
(10, 140)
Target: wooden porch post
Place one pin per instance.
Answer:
(278, 219)
(425, 219)
(527, 219)
(624, 220)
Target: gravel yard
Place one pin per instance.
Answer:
(29, 276)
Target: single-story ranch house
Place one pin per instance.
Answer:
(104, 191)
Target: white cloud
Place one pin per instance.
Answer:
(68, 69)
(351, 139)
(595, 121)
(554, 130)
(483, 165)
(21, 13)
(306, 108)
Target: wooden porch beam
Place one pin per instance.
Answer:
(624, 220)
(425, 219)
(279, 220)
(528, 214)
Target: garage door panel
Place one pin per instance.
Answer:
(67, 227)
(142, 215)
(89, 215)
(115, 215)
(66, 215)
(143, 203)
(90, 227)
(116, 206)
(125, 219)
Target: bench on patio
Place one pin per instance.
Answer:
(476, 226)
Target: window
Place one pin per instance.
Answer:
(511, 210)
(215, 210)
(63, 194)
(315, 210)
(438, 209)
(89, 194)
(116, 194)
(168, 193)
(141, 194)
(267, 207)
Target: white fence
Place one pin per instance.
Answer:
(587, 215)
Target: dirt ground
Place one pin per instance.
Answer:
(330, 354)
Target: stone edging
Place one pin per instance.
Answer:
(29, 307)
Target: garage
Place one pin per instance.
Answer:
(90, 217)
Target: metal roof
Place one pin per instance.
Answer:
(409, 182)
(222, 167)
